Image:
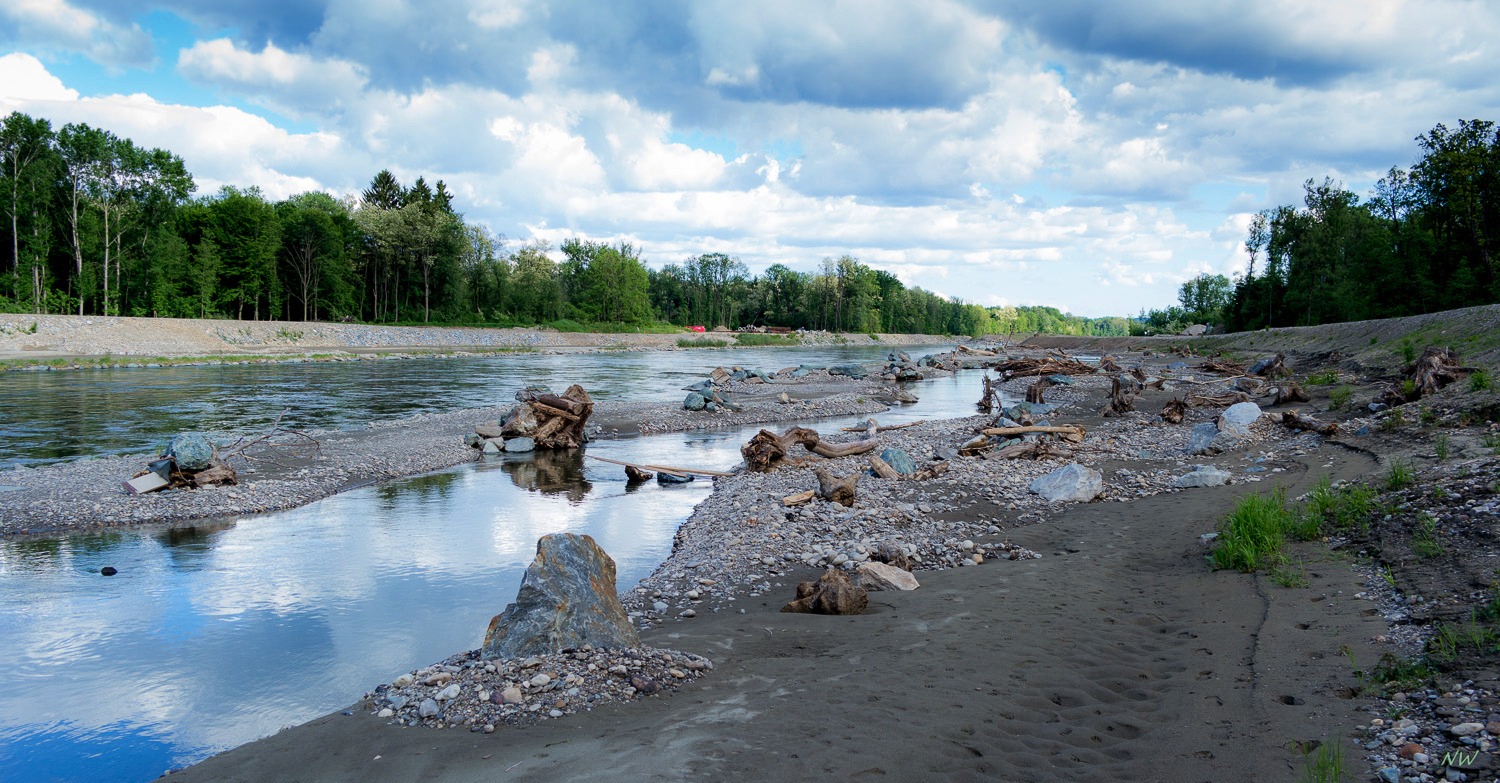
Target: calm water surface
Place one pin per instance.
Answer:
(214, 635)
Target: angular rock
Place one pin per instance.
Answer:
(663, 477)
(1071, 482)
(192, 451)
(427, 709)
(852, 370)
(489, 431)
(567, 599)
(694, 402)
(493, 446)
(520, 445)
(1201, 438)
(879, 576)
(833, 593)
(1202, 476)
(1237, 418)
(520, 423)
(900, 461)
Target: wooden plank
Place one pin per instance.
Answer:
(660, 468)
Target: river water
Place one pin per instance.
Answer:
(216, 634)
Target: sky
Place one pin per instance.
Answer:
(1089, 156)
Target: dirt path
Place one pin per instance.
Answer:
(1118, 656)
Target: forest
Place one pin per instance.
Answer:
(1425, 240)
(97, 225)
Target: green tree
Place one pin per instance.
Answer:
(1204, 298)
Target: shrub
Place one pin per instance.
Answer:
(1339, 398)
(1400, 476)
(1478, 381)
(702, 342)
(1323, 379)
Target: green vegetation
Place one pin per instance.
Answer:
(1424, 538)
(1491, 441)
(1253, 534)
(1339, 397)
(1327, 378)
(1421, 242)
(1408, 350)
(1440, 446)
(1479, 380)
(1394, 419)
(702, 342)
(1325, 764)
(1343, 509)
(752, 339)
(1399, 476)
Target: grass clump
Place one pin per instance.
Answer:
(1252, 535)
(1440, 445)
(1339, 397)
(1424, 538)
(1408, 351)
(702, 342)
(1480, 381)
(1343, 509)
(755, 339)
(1491, 441)
(1400, 476)
(1327, 378)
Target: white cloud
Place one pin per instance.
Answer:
(58, 24)
(26, 80)
(289, 82)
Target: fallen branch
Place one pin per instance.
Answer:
(836, 489)
(882, 468)
(660, 468)
(1022, 368)
(798, 498)
(1297, 421)
(884, 428)
(1173, 411)
(767, 448)
(1069, 432)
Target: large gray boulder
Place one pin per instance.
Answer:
(851, 370)
(1237, 418)
(567, 599)
(694, 402)
(1201, 438)
(192, 451)
(1069, 482)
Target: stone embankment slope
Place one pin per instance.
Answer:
(1474, 332)
(51, 336)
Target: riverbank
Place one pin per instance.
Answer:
(65, 340)
(1116, 654)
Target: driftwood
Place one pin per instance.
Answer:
(883, 428)
(553, 421)
(1221, 367)
(931, 471)
(1068, 432)
(767, 448)
(833, 593)
(977, 445)
(1297, 421)
(216, 474)
(1290, 392)
(1222, 400)
(836, 489)
(1138, 373)
(1034, 391)
(1173, 411)
(1121, 398)
(882, 468)
(1107, 364)
(975, 351)
(1025, 368)
(660, 468)
(990, 397)
(635, 475)
(1434, 369)
(798, 498)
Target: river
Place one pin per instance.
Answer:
(218, 633)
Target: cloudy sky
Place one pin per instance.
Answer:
(1085, 155)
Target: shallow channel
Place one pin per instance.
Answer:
(216, 634)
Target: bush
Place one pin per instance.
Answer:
(1480, 381)
(1339, 397)
(702, 342)
(1323, 379)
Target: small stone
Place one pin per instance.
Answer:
(1410, 750)
(511, 695)
(555, 713)
(385, 713)
(660, 606)
(693, 595)
(108, 571)
(539, 681)
(449, 693)
(1466, 729)
(1389, 774)
(489, 728)
(402, 681)
(427, 709)
(689, 613)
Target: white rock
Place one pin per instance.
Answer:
(880, 576)
(403, 681)
(1070, 482)
(1466, 729)
(449, 693)
(539, 681)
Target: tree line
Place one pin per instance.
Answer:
(95, 224)
(1425, 240)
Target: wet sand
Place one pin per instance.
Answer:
(1117, 656)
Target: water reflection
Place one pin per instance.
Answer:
(221, 632)
(549, 472)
